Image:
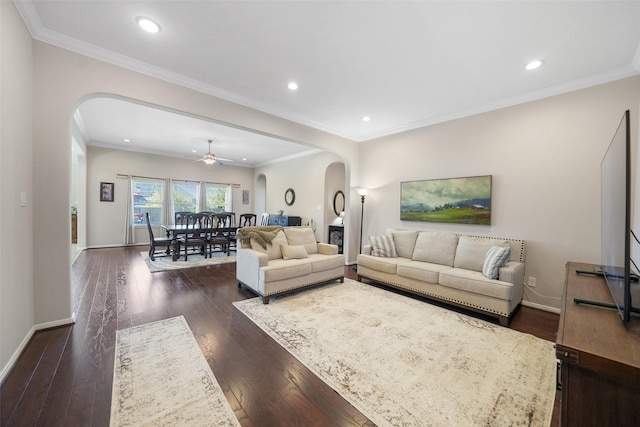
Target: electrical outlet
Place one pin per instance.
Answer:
(532, 282)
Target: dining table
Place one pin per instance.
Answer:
(175, 230)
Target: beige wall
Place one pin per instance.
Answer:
(544, 157)
(107, 219)
(16, 230)
(307, 176)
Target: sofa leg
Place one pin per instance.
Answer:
(359, 278)
(342, 279)
(239, 283)
(504, 321)
(265, 300)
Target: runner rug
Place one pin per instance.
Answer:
(164, 263)
(404, 362)
(162, 378)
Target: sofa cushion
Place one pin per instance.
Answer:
(471, 252)
(496, 257)
(302, 236)
(420, 270)
(294, 252)
(326, 262)
(273, 249)
(475, 282)
(383, 246)
(279, 269)
(436, 248)
(385, 265)
(405, 241)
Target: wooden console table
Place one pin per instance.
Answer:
(600, 357)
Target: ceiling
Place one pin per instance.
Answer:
(405, 64)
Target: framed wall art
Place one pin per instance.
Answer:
(245, 197)
(465, 200)
(106, 191)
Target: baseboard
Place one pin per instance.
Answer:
(16, 354)
(541, 307)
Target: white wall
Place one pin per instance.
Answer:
(544, 157)
(16, 243)
(106, 220)
(306, 176)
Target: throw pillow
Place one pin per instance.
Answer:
(293, 252)
(383, 246)
(496, 257)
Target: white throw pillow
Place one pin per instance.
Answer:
(496, 257)
(293, 252)
(383, 246)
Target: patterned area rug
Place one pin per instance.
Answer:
(161, 378)
(164, 263)
(403, 362)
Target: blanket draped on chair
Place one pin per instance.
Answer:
(261, 235)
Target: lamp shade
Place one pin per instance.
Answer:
(362, 191)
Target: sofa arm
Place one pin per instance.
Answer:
(512, 272)
(248, 263)
(327, 249)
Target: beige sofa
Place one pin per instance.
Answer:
(291, 261)
(449, 267)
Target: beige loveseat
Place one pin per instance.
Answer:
(449, 267)
(276, 260)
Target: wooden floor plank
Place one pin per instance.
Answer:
(64, 379)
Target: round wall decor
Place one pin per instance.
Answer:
(289, 196)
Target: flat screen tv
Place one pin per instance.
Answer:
(617, 235)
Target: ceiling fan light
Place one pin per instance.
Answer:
(209, 160)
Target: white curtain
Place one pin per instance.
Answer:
(228, 200)
(167, 212)
(129, 234)
(202, 199)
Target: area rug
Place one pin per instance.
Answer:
(161, 378)
(404, 362)
(165, 263)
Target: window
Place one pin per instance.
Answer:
(147, 197)
(216, 198)
(185, 196)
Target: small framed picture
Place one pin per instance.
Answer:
(106, 191)
(245, 197)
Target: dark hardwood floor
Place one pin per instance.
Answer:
(64, 375)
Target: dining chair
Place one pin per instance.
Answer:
(180, 218)
(247, 220)
(220, 236)
(154, 242)
(197, 232)
(264, 220)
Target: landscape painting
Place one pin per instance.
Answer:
(455, 200)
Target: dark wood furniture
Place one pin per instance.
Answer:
(284, 220)
(154, 242)
(174, 231)
(336, 236)
(247, 220)
(600, 357)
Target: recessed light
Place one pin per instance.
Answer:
(292, 86)
(194, 151)
(533, 65)
(244, 159)
(126, 140)
(147, 24)
(366, 118)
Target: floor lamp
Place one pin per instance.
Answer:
(362, 192)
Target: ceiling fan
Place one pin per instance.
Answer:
(211, 158)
